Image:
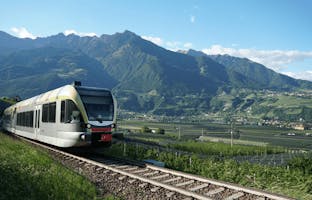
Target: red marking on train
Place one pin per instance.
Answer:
(106, 137)
(106, 129)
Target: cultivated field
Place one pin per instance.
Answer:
(251, 135)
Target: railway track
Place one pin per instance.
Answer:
(170, 184)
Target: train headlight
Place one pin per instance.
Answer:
(83, 137)
(88, 125)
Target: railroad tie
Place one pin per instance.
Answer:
(171, 180)
(131, 181)
(99, 169)
(155, 189)
(215, 191)
(140, 171)
(87, 165)
(81, 162)
(143, 185)
(260, 198)
(130, 169)
(235, 196)
(198, 187)
(122, 177)
(114, 174)
(122, 166)
(159, 177)
(169, 194)
(185, 183)
(151, 173)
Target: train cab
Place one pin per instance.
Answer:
(100, 110)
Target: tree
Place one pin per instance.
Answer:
(160, 131)
(145, 129)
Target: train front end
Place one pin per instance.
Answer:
(100, 110)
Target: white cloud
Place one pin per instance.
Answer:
(171, 45)
(71, 31)
(305, 75)
(188, 45)
(22, 33)
(156, 40)
(177, 45)
(274, 59)
(192, 18)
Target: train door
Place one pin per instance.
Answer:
(13, 121)
(37, 121)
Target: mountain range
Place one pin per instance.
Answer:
(143, 76)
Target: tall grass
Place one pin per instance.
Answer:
(212, 148)
(29, 173)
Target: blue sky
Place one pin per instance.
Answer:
(276, 33)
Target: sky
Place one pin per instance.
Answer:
(276, 33)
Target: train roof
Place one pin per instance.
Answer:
(66, 92)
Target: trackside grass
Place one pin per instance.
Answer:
(212, 148)
(29, 173)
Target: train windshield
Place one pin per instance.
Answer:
(98, 104)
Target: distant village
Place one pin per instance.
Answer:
(299, 126)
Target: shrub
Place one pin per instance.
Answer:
(160, 131)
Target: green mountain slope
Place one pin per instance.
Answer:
(143, 76)
(245, 73)
(30, 72)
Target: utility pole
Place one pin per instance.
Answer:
(231, 134)
(179, 132)
(231, 131)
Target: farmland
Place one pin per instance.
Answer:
(270, 136)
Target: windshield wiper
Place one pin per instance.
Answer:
(99, 119)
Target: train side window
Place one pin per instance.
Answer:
(63, 111)
(72, 112)
(49, 112)
(52, 112)
(69, 112)
(38, 125)
(31, 113)
(25, 119)
(45, 112)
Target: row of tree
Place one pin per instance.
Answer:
(146, 129)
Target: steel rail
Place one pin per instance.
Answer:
(221, 183)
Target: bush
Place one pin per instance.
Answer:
(145, 129)
(160, 131)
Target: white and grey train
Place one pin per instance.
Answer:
(69, 116)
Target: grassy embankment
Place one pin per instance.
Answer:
(29, 173)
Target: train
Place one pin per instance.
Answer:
(70, 116)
